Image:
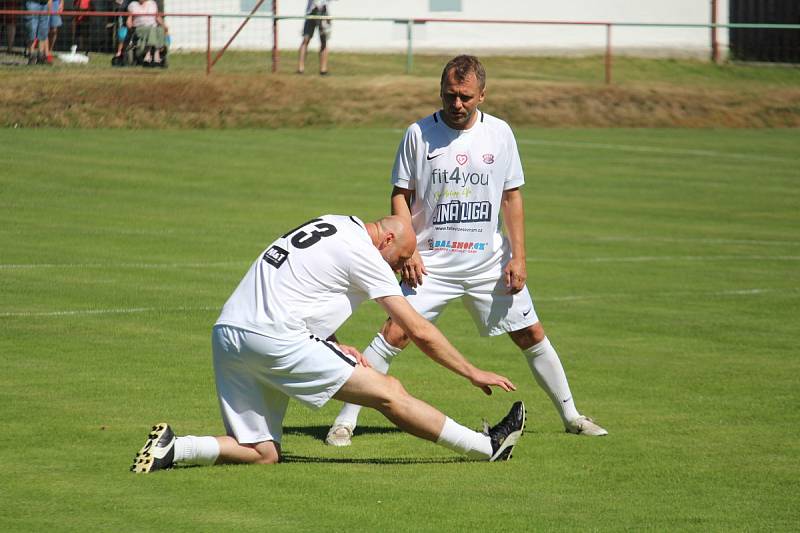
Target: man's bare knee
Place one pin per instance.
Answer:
(394, 334)
(269, 453)
(527, 337)
(395, 388)
(393, 396)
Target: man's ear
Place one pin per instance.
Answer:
(388, 238)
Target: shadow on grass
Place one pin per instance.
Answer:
(320, 432)
(291, 458)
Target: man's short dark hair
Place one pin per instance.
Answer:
(463, 66)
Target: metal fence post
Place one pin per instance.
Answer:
(275, 56)
(208, 45)
(410, 49)
(714, 41)
(608, 54)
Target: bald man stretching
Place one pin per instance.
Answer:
(275, 340)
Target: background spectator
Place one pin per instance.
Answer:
(9, 22)
(150, 31)
(38, 30)
(55, 23)
(121, 31)
(81, 24)
(315, 8)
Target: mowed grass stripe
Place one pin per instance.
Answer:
(785, 292)
(658, 150)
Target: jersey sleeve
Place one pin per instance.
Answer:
(370, 273)
(405, 162)
(514, 175)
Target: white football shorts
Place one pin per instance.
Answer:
(492, 309)
(256, 375)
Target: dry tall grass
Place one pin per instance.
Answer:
(178, 99)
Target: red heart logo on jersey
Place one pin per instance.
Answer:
(461, 159)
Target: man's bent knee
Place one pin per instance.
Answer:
(526, 337)
(394, 398)
(371, 389)
(394, 334)
(394, 388)
(269, 453)
(268, 461)
(389, 392)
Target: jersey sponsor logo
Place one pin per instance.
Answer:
(455, 212)
(488, 158)
(465, 247)
(275, 256)
(462, 159)
(452, 195)
(459, 177)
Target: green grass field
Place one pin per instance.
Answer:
(664, 264)
(589, 69)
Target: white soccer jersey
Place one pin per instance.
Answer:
(458, 178)
(310, 280)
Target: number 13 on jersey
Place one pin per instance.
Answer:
(302, 239)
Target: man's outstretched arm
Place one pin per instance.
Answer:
(436, 346)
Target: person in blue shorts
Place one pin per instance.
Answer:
(317, 8)
(38, 31)
(55, 23)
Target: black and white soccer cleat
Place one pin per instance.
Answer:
(506, 433)
(158, 452)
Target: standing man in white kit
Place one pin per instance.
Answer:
(455, 173)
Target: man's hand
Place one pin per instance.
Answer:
(515, 274)
(353, 352)
(484, 380)
(413, 270)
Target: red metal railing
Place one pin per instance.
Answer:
(607, 25)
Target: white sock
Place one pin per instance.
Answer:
(380, 354)
(193, 450)
(549, 374)
(465, 441)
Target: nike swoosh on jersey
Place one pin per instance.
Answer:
(433, 156)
